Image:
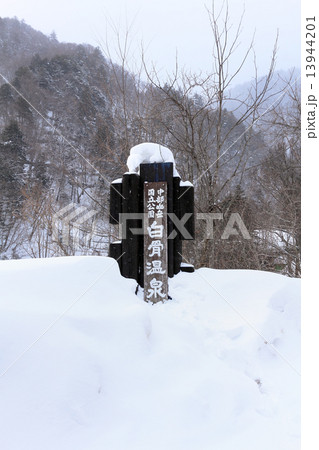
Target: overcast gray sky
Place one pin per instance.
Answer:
(167, 26)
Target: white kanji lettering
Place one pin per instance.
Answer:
(150, 206)
(156, 247)
(156, 289)
(159, 199)
(155, 267)
(159, 214)
(155, 230)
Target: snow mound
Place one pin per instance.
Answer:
(149, 152)
(86, 364)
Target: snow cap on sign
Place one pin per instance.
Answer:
(149, 152)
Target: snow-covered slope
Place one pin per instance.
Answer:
(108, 371)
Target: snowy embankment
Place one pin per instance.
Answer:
(115, 373)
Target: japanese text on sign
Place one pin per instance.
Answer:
(155, 245)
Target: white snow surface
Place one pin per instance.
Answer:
(149, 152)
(118, 180)
(86, 364)
(186, 183)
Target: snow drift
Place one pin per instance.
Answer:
(87, 365)
(148, 152)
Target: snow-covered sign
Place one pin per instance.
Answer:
(155, 242)
(149, 152)
(151, 163)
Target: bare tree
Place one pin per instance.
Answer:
(214, 146)
(279, 182)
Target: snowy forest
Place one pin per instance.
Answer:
(69, 116)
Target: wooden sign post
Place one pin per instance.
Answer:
(157, 195)
(155, 242)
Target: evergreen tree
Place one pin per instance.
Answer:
(13, 150)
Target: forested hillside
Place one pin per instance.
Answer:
(69, 116)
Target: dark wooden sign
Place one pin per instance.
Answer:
(137, 254)
(155, 242)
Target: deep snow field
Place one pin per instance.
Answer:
(85, 364)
